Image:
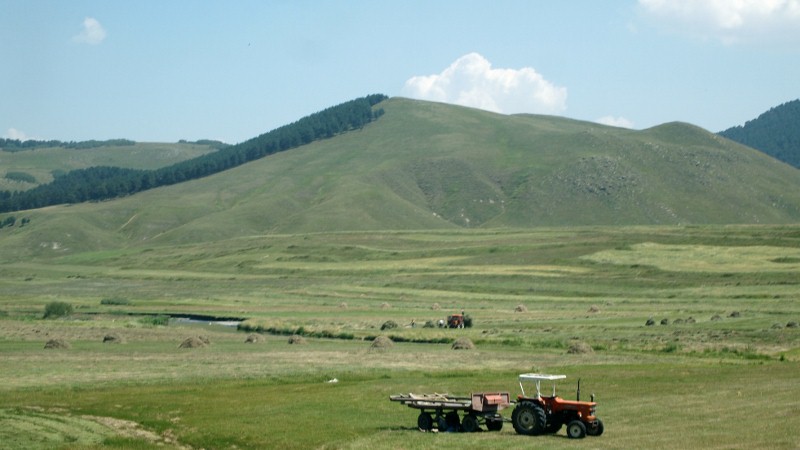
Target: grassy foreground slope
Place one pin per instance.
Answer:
(533, 295)
(433, 166)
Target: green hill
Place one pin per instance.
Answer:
(426, 166)
(776, 133)
(40, 163)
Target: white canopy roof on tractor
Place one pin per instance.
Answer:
(537, 378)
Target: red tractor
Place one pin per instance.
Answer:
(546, 415)
(455, 321)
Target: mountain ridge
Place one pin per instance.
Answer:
(427, 165)
(775, 132)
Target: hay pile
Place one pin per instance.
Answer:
(715, 318)
(253, 339)
(463, 343)
(297, 339)
(579, 348)
(521, 308)
(57, 344)
(343, 305)
(385, 306)
(435, 307)
(113, 338)
(735, 314)
(381, 343)
(594, 309)
(792, 325)
(388, 325)
(195, 342)
(650, 322)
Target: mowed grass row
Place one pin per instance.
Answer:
(531, 294)
(644, 405)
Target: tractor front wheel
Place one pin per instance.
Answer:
(425, 421)
(596, 429)
(529, 418)
(576, 430)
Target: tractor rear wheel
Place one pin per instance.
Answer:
(528, 418)
(470, 423)
(576, 430)
(425, 421)
(595, 429)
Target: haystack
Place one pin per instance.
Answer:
(381, 343)
(194, 342)
(463, 343)
(297, 339)
(57, 343)
(792, 325)
(388, 325)
(385, 305)
(435, 307)
(594, 309)
(521, 308)
(112, 338)
(252, 339)
(579, 348)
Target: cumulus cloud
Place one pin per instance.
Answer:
(92, 33)
(620, 122)
(727, 20)
(13, 133)
(471, 81)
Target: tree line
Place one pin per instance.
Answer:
(15, 145)
(101, 183)
(774, 132)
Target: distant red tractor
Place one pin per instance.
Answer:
(535, 415)
(455, 321)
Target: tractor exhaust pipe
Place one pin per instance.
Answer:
(578, 395)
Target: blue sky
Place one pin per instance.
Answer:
(168, 70)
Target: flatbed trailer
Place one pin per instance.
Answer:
(442, 410)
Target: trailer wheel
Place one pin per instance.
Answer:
(595, 429)
(528, 418)
(576, 430)
(494, 425)
(470, 423)
(425, 421)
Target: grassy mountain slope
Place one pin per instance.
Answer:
(427, 166)
(41, 162)
(774, 132)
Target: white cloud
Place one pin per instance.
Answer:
(93, 33)
(471, 81)
(620, 122)
(729, 21)
(13, 133)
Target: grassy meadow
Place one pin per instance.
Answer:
(718, 368)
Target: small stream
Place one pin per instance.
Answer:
(203, 320)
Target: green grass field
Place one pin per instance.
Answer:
(723, 370)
